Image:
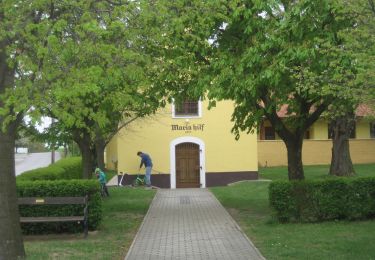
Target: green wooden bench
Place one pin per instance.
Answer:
(57, 201)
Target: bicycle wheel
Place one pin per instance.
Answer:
(137, 182)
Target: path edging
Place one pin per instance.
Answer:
(143, 221)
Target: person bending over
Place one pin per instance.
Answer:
(147, 162)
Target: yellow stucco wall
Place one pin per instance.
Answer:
(363, 129)
(223, 153)
(154, 134)
(319, 130)
(273, 153)
(111, 156)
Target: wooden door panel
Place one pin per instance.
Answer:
(187, 165)
(192, 173)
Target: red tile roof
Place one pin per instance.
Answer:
(362, 110)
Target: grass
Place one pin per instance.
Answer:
(313, 172)
(110, 174)
(247, 202)
(123, 213)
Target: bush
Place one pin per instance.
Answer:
(312, 201)
(61, 188)
(64, 169)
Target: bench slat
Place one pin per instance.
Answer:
(51, 200)
(56, 201)
(51, 219)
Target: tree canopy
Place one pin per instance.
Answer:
(23, 34)
(82, 62)
(263, 55)
(97, 74)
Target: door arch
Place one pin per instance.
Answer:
(187, 162)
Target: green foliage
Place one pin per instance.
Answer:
(362, 44)
(261, 55)
(286, 54)
(28, 137)
(97, 63)
(311, 201)
(182, 54)
(60, 188)
(284, 208)
(95, 67)
(81, 62)
(64, 169)
(361, 198)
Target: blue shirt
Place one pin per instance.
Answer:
(146, 160)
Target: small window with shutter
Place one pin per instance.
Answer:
(187, 108)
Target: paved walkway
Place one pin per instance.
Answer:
(27, 162)
(113, 181)
(190, 224)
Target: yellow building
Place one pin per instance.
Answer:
(190, 146)
(317, 145)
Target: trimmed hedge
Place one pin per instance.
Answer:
(60, 188)
(313, 201)
(64, 169)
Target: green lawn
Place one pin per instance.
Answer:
(110, 174)
(123, 212)
(313, 172)
(247, 202)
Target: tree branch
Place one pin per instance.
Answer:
(119, 128)
(372, 6)
(199, 56)
(315, 115)
(119, 3)
(275, 120)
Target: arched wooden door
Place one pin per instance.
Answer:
(187, 165)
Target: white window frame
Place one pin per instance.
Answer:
(188, 116)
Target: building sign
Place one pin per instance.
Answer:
(187, 128)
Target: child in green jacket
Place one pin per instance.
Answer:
(103, 181)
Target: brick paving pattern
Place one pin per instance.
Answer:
(190, 224)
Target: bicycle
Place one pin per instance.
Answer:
(139, 181)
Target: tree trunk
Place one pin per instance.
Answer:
(341, 162)
(84, 144)
(65, 150)
(294, 151)
(87, 162)
(292, 132)
(11, 244)
(99, 149)
(52, 156)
